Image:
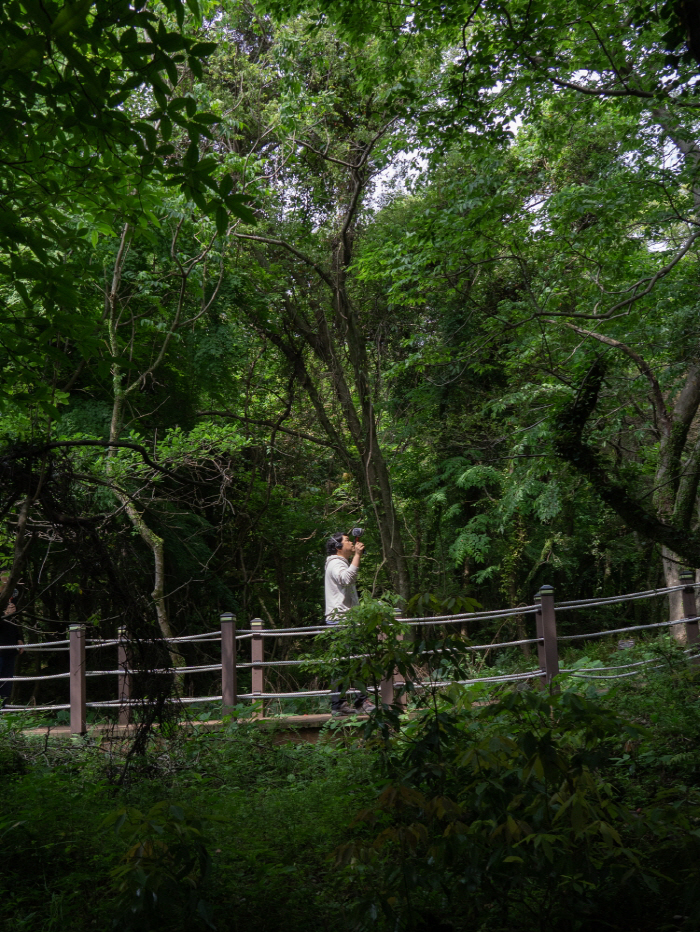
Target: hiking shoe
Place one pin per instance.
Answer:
(366, 708)
(344, 709)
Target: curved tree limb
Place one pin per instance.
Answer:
(295, 252)
(637, 296)
(569, 445)
(57, 444)
(643, 366)
(272, 425)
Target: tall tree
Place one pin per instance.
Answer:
(318, 142)
(89, 97)
(624, 65)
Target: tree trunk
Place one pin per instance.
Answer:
(669, 523)
(369, 469)
(149, 537)
(378, 485)
(672, 565)
(333, 331)
(677, 483)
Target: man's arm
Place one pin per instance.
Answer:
(345, 575)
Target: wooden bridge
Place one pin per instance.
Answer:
(231, 640)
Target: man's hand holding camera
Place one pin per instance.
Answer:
(351, 549)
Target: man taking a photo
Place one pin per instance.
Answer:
(342, 566)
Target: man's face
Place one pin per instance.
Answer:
(348, 548)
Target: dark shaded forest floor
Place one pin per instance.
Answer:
(232, 830)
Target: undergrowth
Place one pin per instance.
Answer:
(490, 810)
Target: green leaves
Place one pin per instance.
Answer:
(81, 151)
(85, 69)
(365, 648)
(165, 863)
(70, 18)
(498, 797)
(203, 49)
(221, 220)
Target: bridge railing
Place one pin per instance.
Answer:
(547, 641)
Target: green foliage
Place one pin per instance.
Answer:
(459, 269)
(477, 815)
(364, 647)
(459, 209)
(424, 604)
(269, 814)
(11, 761)
(505, 813)
(370, 645)
(161, 873)
(74, 78)
(89, 93)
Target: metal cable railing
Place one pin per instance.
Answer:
(34, 679)
(594, 672)
(47, 646)
(207, 668)
(546, 641)
(471, 616)
(628, 597)
(602, 634)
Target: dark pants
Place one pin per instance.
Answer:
(7, 668)
(337, 699)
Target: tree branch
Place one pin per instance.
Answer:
(570, 446)
(590, 91)
(324, 155)
(272, 425)
(288, 246)
(643, 366)
(56, 444)
(662, 273)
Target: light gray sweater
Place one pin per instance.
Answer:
(341, 593)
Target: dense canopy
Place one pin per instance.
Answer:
(273, 271)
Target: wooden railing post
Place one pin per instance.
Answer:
(540, 641)
(76, 649)
(398, 679)
(690, 609)
(549, 633)
(123, 678)
(229, 689)
(386, 692)
(257, 654)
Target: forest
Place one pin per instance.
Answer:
(273, 270)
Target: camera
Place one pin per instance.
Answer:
(357, 532)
